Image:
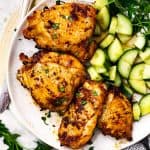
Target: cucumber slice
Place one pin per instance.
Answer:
(146, 72)
(113, 25)
(137, 72)
(126, 90)
(145, 56)
(107, 41)
(93, 74)
(130, 56)
(103, 17)
(124, 69)
(100, 69)
(112, 73)
(115, 50)
(136, 111)
(100, 4)
(140, 72)
(138, 85)
(145, 104)
(124, 25)
(126, 61)
(117, 81)
(97, 30)
(140, 40)
(124, 38)
(98, 58)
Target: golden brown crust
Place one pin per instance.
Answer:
(51, 78)
(80, 120)
(117, 118)
(67, 27)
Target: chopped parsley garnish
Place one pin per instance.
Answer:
(83, 102)
(59, 102)
(76, 54)
(67, 17)
(44, 120)
(48, 114)
(94, 93)
(55, 26)
(54, 36)
(62, 89)
(46, 71)
(78, 94)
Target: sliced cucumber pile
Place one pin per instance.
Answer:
(122, 58)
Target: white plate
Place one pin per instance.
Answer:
(30, 113)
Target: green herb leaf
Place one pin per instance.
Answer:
(48, 114)
(43, 146)
(83, 102)
(67, 17)
(54, 36)
(78, 94)
(44, 119)
(46, 71)
(94, 93)
(55, 26)
(59, 102)
(62, 89)
(91, 148)
(9, 138)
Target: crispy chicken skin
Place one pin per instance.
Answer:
(79, 121)
(67, 27)
(117, 119)
(51, 78)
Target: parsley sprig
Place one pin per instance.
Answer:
(10, 139)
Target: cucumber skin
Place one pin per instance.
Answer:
(120, 28)
(99, 4)
(121, 57)
(142, 104)
(143, 93)
(103, 18)
(136, 111)
(125, 90)
(138, 76)
(115, 49)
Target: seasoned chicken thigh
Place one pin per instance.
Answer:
(67, 27)
(51, 78)
(117, 117)
(79, 121)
